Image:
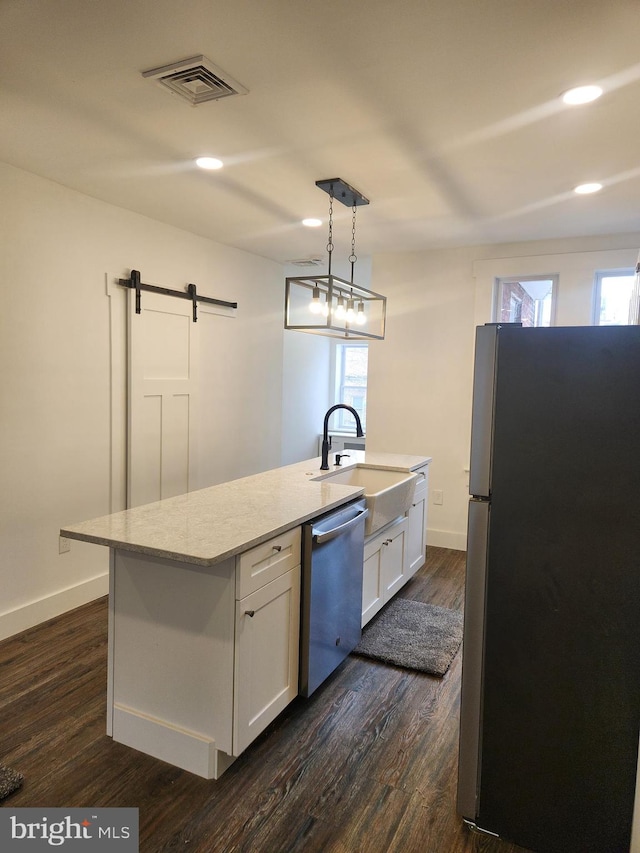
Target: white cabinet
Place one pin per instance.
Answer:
(417, 516)
(385, 567)
(394, 558)
(267, 561)
(202, 659)
(395, 553)
(267, 627)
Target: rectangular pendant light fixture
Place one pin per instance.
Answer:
(332, 306)
(342, 191)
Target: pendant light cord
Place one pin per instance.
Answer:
(330, 240)
(353, 257)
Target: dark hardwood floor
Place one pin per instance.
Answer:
(368, 763)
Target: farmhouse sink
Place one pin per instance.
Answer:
(388, 494)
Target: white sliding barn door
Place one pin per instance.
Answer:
(162, 398)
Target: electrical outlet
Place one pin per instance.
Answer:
(437, 497)
(64, 545)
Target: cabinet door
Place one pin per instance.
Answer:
(416, 539)
(417, 531)
(266, 656)
(385, 567)
(394, 558)
(372, 587)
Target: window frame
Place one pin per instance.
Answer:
(596, 306)
(342, 420)
(506, 279)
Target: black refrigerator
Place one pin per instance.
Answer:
(550, 707)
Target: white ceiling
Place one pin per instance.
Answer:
(444, 113)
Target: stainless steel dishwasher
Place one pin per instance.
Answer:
(332, 557)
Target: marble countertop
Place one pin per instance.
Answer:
(209, 525)
(388, 461)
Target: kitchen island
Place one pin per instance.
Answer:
(204, 607)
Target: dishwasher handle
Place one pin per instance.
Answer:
(328, 535)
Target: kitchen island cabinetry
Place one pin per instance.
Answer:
(204, 609)
(267, 630)
(385, 565)
(196, 674)
(395, 553)
(417, 515)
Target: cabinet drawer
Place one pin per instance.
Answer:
(267, 561)
(384, 536)
(422, 486)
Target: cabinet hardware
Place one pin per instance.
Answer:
(277, 547)
(249, 613)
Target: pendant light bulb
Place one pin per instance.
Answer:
(351, 314)
(324, 310)
(315, 306)
(360, 315)
(340, 311)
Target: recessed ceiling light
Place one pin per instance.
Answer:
(209, 163)
(582, 95)
(585, 189)
(312, 223)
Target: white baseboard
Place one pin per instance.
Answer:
(182, 748)
(447, 539)
(35, 612)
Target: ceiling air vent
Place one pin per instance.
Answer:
(196, 80)
(306, 262)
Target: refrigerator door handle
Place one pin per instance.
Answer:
(472, 659)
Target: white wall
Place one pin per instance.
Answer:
(308, 371)
(305, 384)
(420, 376)
(60, 416)
(305, 380)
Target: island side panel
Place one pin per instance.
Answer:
(171, 637)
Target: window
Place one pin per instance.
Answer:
(351, 385)
(612, 298)
(530, 301)
(515, 308)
